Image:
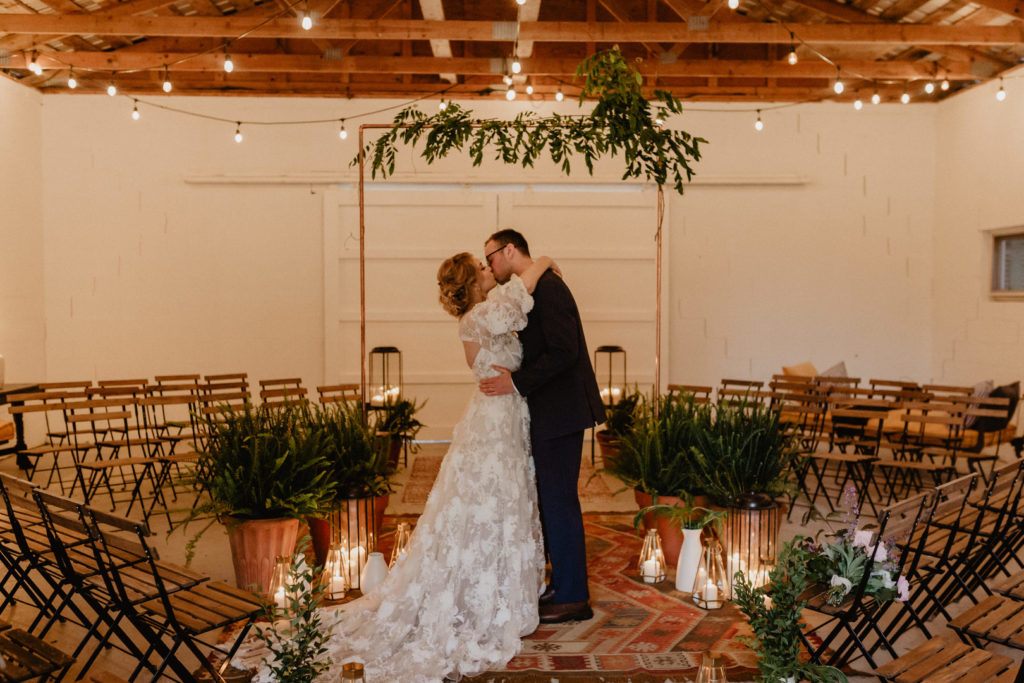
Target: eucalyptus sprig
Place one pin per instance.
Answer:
(622, 122)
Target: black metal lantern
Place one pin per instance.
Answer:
(610, 369)
(385, 384)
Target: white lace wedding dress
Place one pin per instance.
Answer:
(459, 601)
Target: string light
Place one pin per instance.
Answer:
(111, 89)
(307, 19)
(945, 84)
(167, 80)
(1000, 94)
(929, 87)
(506, 79)
(875, 99)
(34, 67)
(135, 110)
(658, 121)
(559, 96)
(520, 2)
(72, 83)
(442, 105)
(516, 66)
(905, 97)
(229, 66)
(759, 124)
(343, 133)
(792, 58)
(734, 4)
(857, 104)
(838, 86)
(510, 94)
(529, 89)
(238, 131)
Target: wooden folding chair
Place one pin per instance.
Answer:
(281, 392)
(339, 393)
(27, 658)
(701, 394)
(946, 659)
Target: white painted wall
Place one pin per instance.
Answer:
(979, 147)
(169, 248)
(22, 323)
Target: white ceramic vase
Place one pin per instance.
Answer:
(374, 573)
(689, 559)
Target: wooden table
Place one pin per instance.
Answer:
(9, 394)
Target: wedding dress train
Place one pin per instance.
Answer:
(459, 601)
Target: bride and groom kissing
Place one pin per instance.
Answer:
(472, 583)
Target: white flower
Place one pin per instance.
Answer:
(886, 577)
(862, 538)
(903, 589)
(880, 554)
(841, 581)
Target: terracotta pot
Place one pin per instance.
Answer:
(394, 452)
(255, 544)
(610, 448)
(380, 504)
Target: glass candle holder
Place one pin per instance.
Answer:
(652, 559)
(279, 581)
(336, 573)
(712, 668)
(402, 535)
(711, 588)
(353, 671)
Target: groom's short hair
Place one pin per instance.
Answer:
(513, 237)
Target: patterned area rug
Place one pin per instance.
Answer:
(641, 633)
(598, 492)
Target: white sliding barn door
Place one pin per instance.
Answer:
(604, 242)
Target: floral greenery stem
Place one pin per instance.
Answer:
(622, 122)
(298, 646)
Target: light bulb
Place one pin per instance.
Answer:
(1001, 94)
(72, 83)
(507, 79)
(520, 2)
(342, 133)
(758, 125)
(838, 87)
(659, 121)
(792, 58)
(167, 85)
(857, 104)
(929, 87)
(875, 99)
(529, 89)
(135, 112)
(307, 21)
(905, 97)
(516, 66)
(238, 133)
(111, 89)
(229, 66)
(34, 67)
(734, 4)
(442, 105)
(559, 96)
(510, 94)
(945, 84)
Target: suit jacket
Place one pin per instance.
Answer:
(556, 376)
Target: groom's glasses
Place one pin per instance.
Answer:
(488, 256)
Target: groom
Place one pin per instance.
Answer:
(559, 385)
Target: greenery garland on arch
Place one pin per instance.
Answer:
(623, 122)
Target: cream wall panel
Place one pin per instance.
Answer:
(980, 150)
(22, 323)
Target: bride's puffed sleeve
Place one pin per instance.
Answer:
(504, 311)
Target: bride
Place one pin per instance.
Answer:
(459, 601)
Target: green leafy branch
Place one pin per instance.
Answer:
(623, 123)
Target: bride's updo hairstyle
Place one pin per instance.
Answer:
(455, 277)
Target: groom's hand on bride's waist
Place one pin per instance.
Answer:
(500, 384)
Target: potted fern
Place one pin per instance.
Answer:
(620, 418)
(261, 472)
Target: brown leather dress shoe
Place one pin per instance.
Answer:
(547, 596)
(569, 611)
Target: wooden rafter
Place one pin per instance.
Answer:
(541, 31)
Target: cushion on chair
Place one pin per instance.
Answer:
(981, 390)
(994, 424)
(6, 431)
(837, 370)
(805, 369)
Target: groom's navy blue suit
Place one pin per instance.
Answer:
(557, 379)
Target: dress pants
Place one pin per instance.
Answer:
(557, 463)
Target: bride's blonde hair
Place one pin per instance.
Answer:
(456, 278)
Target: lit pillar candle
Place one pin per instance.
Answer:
(650, 571)
(710, 591)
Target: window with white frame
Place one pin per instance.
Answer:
(1008, 262)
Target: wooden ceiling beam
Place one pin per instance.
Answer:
(107, 62)
(434, 11)
(545, 31)
(1013, 8)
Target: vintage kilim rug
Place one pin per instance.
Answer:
(643, 633)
